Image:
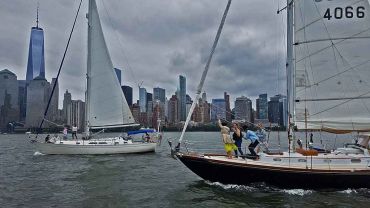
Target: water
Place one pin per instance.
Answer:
(29, 179)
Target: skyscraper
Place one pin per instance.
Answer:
(159, 94)
(127, 91)
(182, 98)
(37, 98)
(261, 106)
(9, 109)
(227, 106)
(218, 109)
(66, 102)
(142, 100)
(36, 59)
(277, 110)
(119, 75)
(173, 110)
(243, 109)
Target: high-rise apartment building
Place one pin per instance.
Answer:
(76, 114)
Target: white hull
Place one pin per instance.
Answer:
(72, 149)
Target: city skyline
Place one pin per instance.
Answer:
(240, 54)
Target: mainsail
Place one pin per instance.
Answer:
(332, 65)
(106, 103)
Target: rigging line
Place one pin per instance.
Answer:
(52, 122)
(121, 46)
(204, 75)
(368, 92)
(60, 67)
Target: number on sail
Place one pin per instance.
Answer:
(347, 12)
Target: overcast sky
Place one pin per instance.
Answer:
(154, 41)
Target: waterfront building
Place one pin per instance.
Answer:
(181, 96)
(262, 107)
(9, 108)
(142, 100)
(159, 94)
(36, 59)
(127, 91)
(38, 91)
(119, 75)
(218, 109)
(135, 109)
(243, 109)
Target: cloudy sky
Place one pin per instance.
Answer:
(154, 41)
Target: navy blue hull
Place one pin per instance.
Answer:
(244, 174)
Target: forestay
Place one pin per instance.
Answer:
(106, 103)
(332, 65)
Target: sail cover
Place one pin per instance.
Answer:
(332, 65)
(106, 103)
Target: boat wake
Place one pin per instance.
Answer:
(297, 192)
(260, 187)
(37, 153)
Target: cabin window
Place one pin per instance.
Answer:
(102, 143)
(355, 160)
(77, 142)
(92, 143)
(327, 160)
(277, 159)
(302, 160)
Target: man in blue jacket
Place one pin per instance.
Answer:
(251, 135)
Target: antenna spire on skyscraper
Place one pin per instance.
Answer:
(37, 16)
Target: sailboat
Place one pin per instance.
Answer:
(106, 106)
(328, 73)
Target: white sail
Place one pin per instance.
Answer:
(332, 65)
(106, 103)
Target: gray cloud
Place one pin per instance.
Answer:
(155, 41)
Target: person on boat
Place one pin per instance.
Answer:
(147, 137)
(74, 132)
(238, 139)
(252, 136)
(261, 134)
(226, 139)
(47, 139)
(65, 133)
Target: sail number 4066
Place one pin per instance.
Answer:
(347, 12)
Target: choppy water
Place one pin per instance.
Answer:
(29, 179)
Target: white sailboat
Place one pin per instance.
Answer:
(328, 67)
(106, 106)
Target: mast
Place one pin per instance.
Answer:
(88, 16)
(290, 73)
